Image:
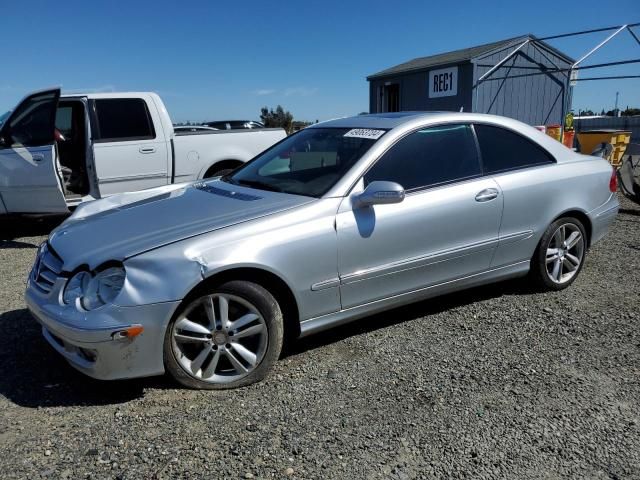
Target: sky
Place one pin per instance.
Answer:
(222, 60)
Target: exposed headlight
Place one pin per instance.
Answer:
(103, 288)
(94, 291)
(76, 286)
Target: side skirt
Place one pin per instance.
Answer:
(318, 324)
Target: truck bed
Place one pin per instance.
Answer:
(218, 132)
(196, 152)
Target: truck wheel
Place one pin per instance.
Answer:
(228, 338)
(560, 254)
(221, 173)
(222, 168)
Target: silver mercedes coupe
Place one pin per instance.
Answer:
(341, 220)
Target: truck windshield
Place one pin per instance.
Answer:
(4, 116)
(307, 163)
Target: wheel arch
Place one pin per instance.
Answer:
(266, 279)
(220, 164)
(583, 217)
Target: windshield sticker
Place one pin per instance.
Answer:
(365, 133)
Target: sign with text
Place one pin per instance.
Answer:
(443, 82)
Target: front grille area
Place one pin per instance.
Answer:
(47, 269)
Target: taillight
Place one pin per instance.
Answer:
(613, 181)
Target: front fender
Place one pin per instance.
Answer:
(299, 246)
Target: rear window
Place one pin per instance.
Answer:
(504, 150)
(123, 119)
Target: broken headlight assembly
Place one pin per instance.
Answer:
(89, 291)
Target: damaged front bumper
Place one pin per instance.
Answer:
(92, 341)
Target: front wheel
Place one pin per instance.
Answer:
(227, 338)
(560, 254)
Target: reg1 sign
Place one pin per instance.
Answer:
(443, 82)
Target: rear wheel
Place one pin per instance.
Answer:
(222, 168)
(560, 254)
(227, 338)
(220, 173)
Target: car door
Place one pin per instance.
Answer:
(129, 152)
(446, 227)
(526, 174)
(29, 177)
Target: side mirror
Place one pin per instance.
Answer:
(379, 193)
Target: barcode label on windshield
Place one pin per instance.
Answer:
(364, 133)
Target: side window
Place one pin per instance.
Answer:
(504, 150)
(64, 116)
(32, 123)
(429, 157)
(123, 119)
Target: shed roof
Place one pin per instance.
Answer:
(462, 55)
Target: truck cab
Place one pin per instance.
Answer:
(58, 151)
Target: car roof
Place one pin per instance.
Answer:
(379, 120)
(233, 121)
(404, 122)
(103, 95)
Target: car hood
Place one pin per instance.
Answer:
(124, 225)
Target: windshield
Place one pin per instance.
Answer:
(4, 116)
(307, 163)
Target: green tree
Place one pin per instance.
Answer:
(278, 118)
(630, 112)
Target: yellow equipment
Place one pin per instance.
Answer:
(591, 139)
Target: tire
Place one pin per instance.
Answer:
(222, 168)
(218, 173)
(553, 266)
(233, 344)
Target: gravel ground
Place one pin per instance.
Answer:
(499, 381)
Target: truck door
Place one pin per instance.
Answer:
(29, 177)
(130, 151)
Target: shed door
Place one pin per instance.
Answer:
(391, 98)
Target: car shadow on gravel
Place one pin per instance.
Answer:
(34, 375)
(413, 311)
(629, 211)
(4, 244)
(16, 226)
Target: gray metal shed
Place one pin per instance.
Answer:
(522, 77)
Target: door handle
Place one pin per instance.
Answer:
(37, 158)
(486, 195)
(146, 149)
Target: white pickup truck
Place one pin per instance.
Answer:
(58, 151)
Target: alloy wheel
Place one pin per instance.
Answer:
(565, 253)
(219, 338)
